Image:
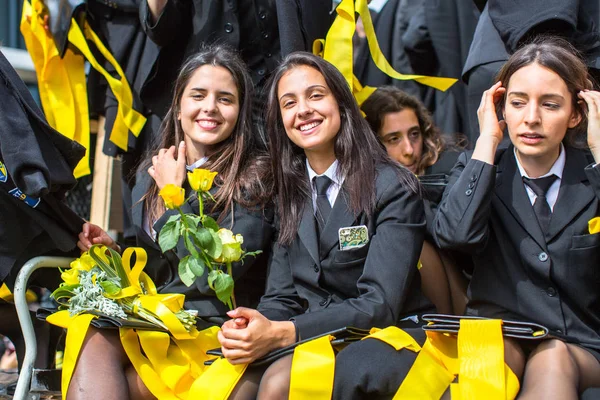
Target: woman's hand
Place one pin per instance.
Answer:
(592, 101)
(249, 335)
(92, 234)
(166, 168)
(491, 131)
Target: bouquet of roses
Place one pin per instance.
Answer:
(99, 282)
(210, 246)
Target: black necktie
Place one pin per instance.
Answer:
(322, 183)
(541, 207)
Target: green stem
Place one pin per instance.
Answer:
(230, 272)
(200, 205)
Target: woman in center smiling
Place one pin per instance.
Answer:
(351, 227)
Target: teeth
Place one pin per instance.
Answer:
(309, 126)
(207, 124)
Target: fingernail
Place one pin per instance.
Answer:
(181, 144)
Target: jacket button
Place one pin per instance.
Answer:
(265, 35)
(228, 28)
(261, 72)
(316, 268)
(469, 192)
(543, 256)
(262, 16)
(559, 331)
(551, 291)
(473, 178)
(471, 185)
(323, 302)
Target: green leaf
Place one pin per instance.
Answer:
(174, 218)
(110, 288)
(217, 248)
(117, 264)
(204, 238)
(189, 244)
(193, 220)
(169, 235)
(185, 274)
(224, 287)
(210, 223)
(196, 265)
(212, 277)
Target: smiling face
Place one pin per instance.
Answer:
(309, 111)
(401, 135)
(538, 111)
(209, 109)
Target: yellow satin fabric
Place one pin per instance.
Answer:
(594, 225)
(338, 50)
(476, 357)
(313, 368)
(62, 82)
(6, 295)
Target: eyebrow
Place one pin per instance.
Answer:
(523, 94)
(411, 129)
(307, 89)
(221, 92)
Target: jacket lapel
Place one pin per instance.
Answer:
(574, 194)
(341, 216)
(511, 191)
(307, 231)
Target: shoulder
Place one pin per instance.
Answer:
(393, 180)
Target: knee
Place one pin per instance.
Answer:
(557, 357)
(274, 385)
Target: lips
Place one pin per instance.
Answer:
(530, 138)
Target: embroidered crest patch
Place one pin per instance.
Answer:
(353, 237)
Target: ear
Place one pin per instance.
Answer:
(575, 119)
(179, 116)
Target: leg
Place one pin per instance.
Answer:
(101, 363)
(557, 370)
(434, 281)
(275, 383)
(247, 387)
(372, 369)
(457, 284)
(137, 388)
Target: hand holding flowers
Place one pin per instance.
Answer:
(210, 246)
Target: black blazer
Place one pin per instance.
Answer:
(520, 273)
(256, 226)
(322, 288)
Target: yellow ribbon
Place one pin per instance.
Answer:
(62, 82)
(476, 357)
(594, 225)
(338, 50)
(7, 295)
(313, 368)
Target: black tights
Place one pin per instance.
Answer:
(265, 383)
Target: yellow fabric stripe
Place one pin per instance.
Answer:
(218, 381)
(594, 225)
(76, 332)
(313, 369)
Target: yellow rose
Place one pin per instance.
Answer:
(201, 179)
(85, 262)
(173, 196)
(232, 246)
(70, 276)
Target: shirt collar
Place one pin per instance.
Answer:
(197, 164)
(331, 173)
(557, 168)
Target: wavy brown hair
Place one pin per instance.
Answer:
(243, 170)
(390, 99)
(356, 149)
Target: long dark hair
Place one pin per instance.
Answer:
(356, 149)
(559, 56)
(244, 174)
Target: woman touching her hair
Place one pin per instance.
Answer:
(334, 183)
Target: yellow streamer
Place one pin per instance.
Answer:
(7, 295)
(313, 368)
(218, 381)
(338, 50)
(62, 82)
(476, 357)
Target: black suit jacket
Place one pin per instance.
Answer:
(520, 273)
(323, 288)
(256, 226)
(185, 25)
(36, 170)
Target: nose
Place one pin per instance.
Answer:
(304, 107)
(209, 104)
(532, 114)
(407, 148)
